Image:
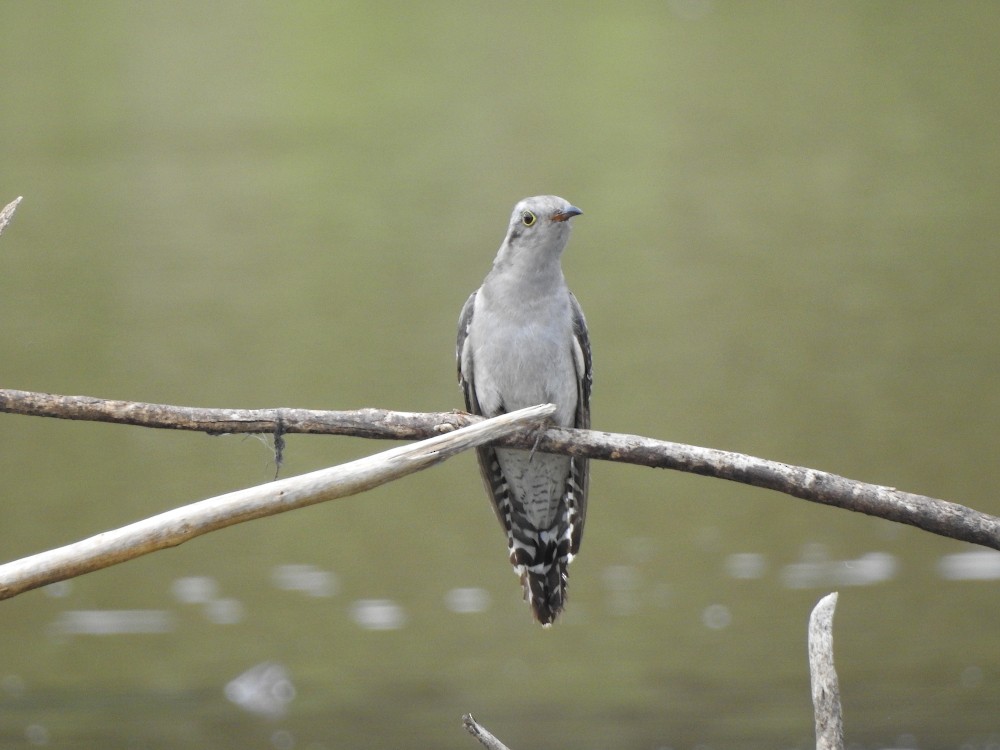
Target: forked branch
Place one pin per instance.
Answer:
(181, 524)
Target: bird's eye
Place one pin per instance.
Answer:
(527, 218)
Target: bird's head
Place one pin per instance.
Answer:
(540, 225)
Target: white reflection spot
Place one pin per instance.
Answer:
(112, 622)
(979, 565)
(265, 689)
(746, 565)
(622, 582)
(282, 740)
(224, 611)
(875, 567)
(36, 734)
(621, 577)
(871, 568)
(971, 677)
(716, 617)
(195, 589)
(59, 589)
(13, 685)
(641, 549)
(815, 552)
(623, 603)
(305, 578)
(378, 614)
(467, 601)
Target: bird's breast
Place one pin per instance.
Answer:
(526, 360)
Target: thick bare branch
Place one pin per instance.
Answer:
(181, 524)
(823, 675)
(936, 516)
(367, 423)
(930, 514)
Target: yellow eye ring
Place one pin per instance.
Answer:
(527, 218)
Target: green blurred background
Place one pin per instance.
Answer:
(788, 249)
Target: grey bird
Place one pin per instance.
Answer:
(522, 341)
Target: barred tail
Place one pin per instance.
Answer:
(542, 562)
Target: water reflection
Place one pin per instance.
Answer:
(378, 614)
(979, 565)
(746, 565)
(12, 685)
(717, 617)
(282, 739)
(59, 589)
(466, 601)
(971, 677)
(36, 734)
(265, 689)
(224, 611)
(305, 578)
(204, 590)
(195, 589)
(112, 622)
(623, 584)
(817, 572)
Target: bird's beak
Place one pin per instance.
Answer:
(569, 213)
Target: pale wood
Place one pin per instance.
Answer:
(481, 733)
(7, 213)
(181, 524)
(825, 687)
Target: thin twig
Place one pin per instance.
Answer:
(930, 514)
(181, 524)
(823, 675)
(481, 733)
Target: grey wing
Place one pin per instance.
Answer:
(466, 376)
(489, 466)
(584, 365)
(579, 468)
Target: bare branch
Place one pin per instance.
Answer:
(367, 423)
(936, 516)
(7, 213)
(481, 733)
(825, 688)
(181, 524)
